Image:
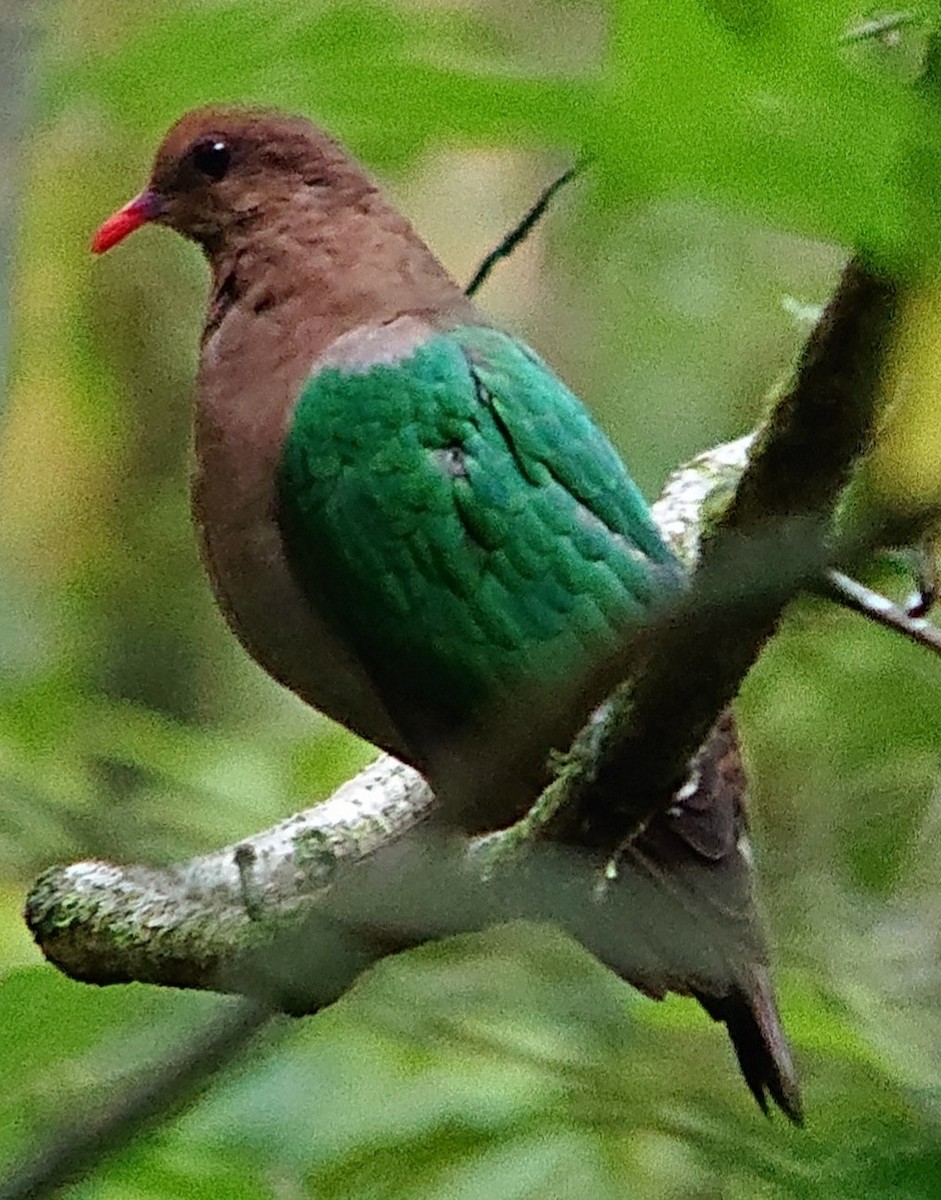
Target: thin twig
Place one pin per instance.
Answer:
(158, 1091)
(857, 597)
(879, 27)
(523, 228)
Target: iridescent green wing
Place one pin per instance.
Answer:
(464, 524)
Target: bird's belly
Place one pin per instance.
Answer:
(243, 553)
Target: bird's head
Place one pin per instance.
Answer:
(222, 171)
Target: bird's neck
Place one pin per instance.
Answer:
(320, 276)
(282, 299)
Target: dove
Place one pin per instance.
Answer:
(411, 522)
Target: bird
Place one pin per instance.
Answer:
(411, 522)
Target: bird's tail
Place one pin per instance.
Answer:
(760, 1044)
(688, 884)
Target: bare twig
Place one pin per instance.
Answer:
(883, 27)
(876, 607)
(156, 1092)
(522, 229)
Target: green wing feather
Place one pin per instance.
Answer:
(464, 523)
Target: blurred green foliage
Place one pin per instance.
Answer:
(736, 145)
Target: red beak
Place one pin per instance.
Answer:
(136, 212)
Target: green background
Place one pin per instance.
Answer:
(737, 149)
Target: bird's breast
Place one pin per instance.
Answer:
(247, 392)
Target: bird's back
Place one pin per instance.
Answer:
(459, 516)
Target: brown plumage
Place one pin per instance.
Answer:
(313, 269)
(302, 248)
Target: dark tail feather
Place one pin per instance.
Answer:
(716, 881)
(686, 887)
(760, 1045)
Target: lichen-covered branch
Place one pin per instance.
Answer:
(368, 872)
(203, 923)
(194, 925)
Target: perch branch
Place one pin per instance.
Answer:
(768, 540)
(200, 924)
(195, 924)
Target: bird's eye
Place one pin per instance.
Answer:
(211, 158)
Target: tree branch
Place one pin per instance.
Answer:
(153, 1094)
(876, 607)
(205, 923)
(197, 924)
(761, 546)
